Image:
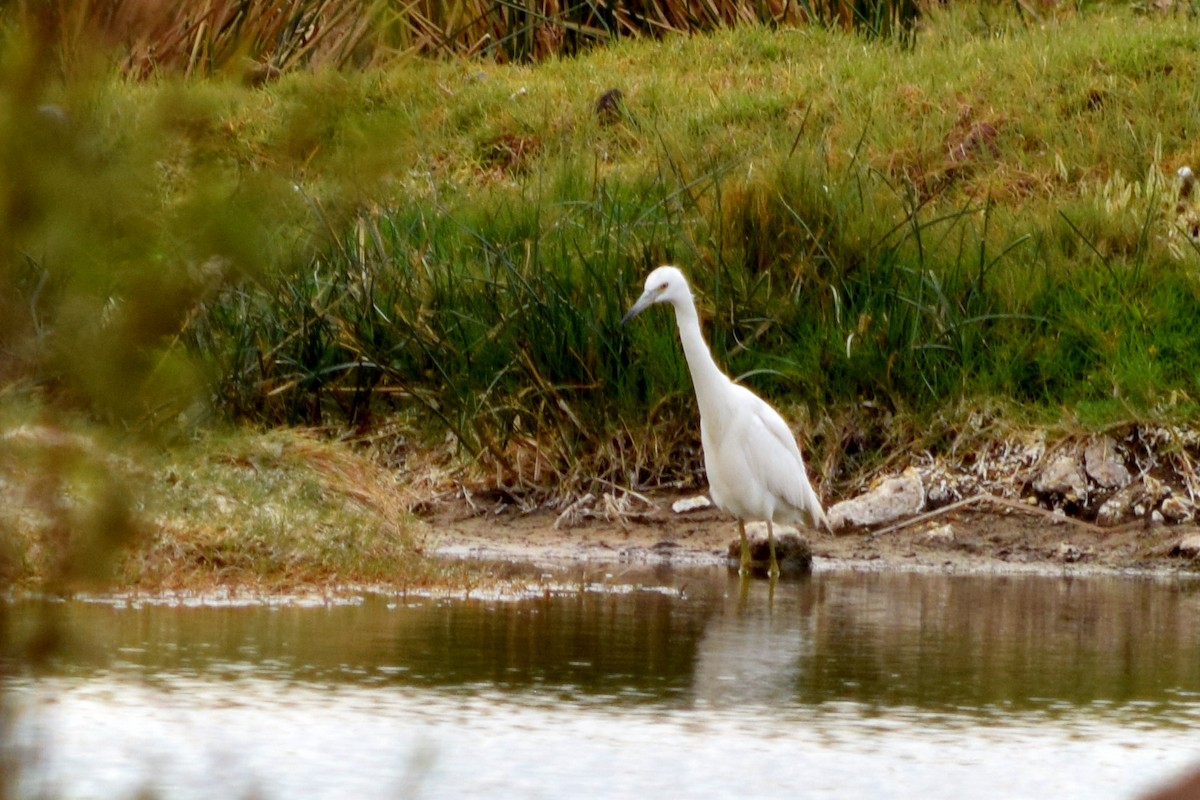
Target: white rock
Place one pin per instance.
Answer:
(1103, 464)
(893, 499)
(691, 504)
(1062, 476)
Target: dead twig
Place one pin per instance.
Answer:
(1016, 505)
(574, 512)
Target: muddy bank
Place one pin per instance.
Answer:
(964, 540)
(1123, 500)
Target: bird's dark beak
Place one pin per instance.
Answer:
(645, 301)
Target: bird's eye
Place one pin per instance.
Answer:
(663, 288)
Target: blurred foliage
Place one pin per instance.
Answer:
(69, 514)
(103, 263)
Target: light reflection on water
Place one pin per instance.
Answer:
(842, 685)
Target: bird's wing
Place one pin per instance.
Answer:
(790, 483)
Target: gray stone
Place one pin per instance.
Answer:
(1062, 476)
(1104, 464)
(893, 499)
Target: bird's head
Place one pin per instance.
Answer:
(664, 285)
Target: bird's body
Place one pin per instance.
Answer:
(755, 469)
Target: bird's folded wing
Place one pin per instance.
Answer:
(785, 475)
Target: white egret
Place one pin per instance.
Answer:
(755, 470)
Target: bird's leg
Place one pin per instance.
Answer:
(773, 569)
(744, 569)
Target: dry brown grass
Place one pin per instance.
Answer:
(257, 40)
(248, 511)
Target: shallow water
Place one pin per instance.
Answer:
(841, 685)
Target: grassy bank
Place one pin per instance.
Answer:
(905, 246)
(282, 511)
(985, 221)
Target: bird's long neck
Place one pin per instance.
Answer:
(706, 375)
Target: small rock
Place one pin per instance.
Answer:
(893, 499)
(691, 504)
(791, 550)
(1062, 476)
(1156, 517)
(1188, 547)
(1175, 509)
(1103, 464)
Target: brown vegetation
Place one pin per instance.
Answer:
(257, 40)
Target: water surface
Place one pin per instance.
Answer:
(840, 685)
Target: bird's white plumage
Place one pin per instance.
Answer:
(755, 469)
